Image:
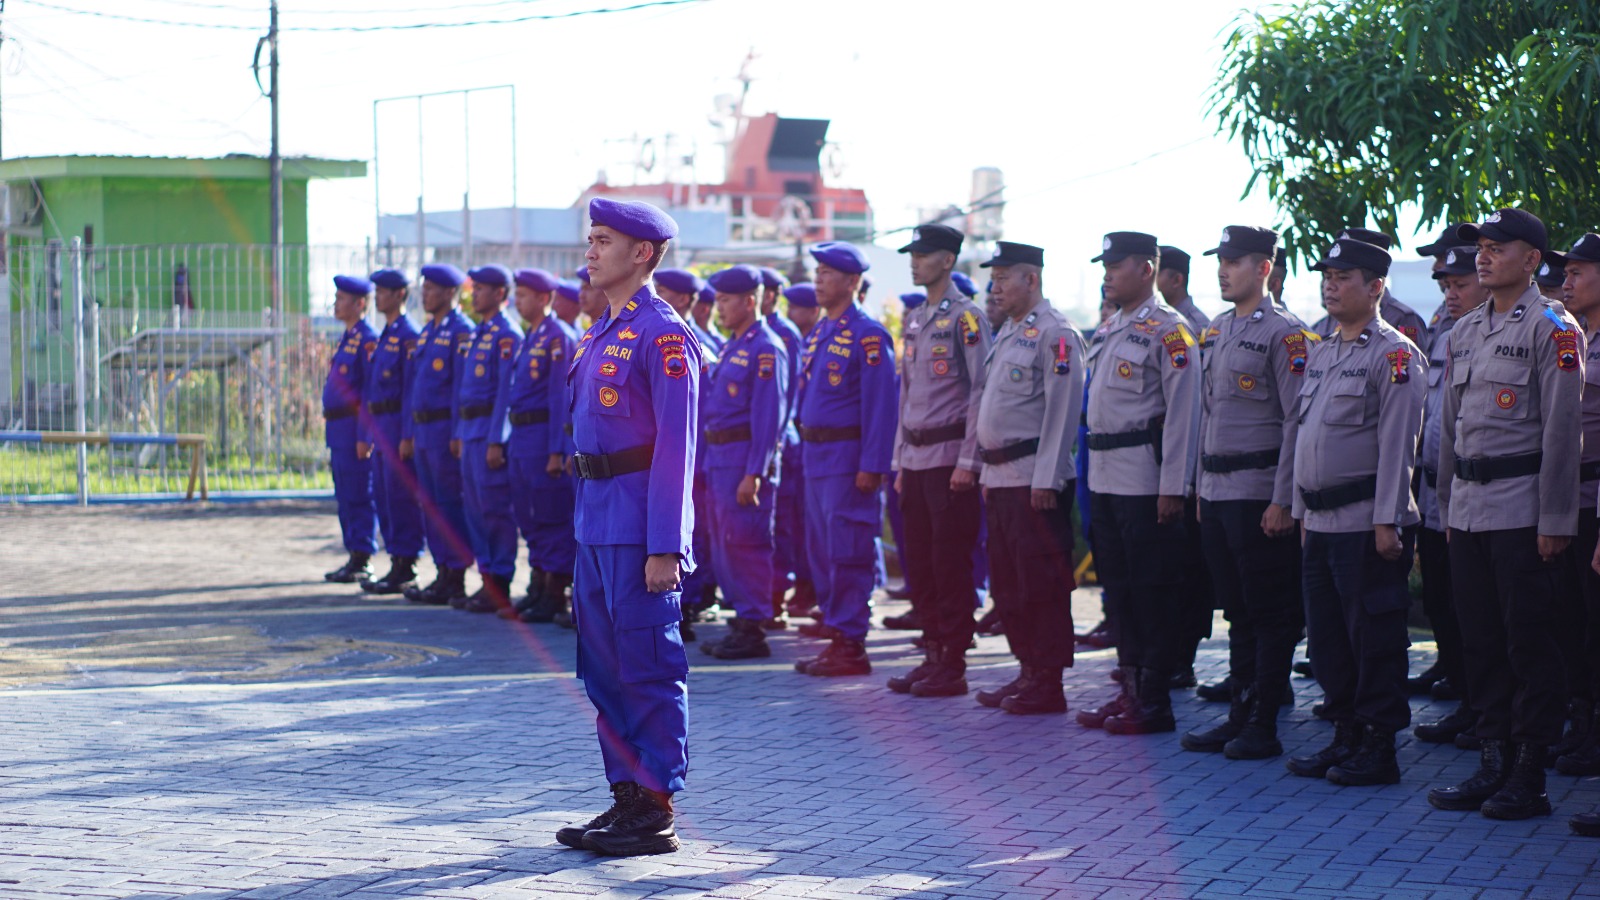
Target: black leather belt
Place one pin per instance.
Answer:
(1430, 477)
(533, 417)
(424, 416)
(1589, 471)
(476, 411)
(1341, 495)
(1137, 438)
(1239, 462)
(342, 412)
(1009, 452)
(1493, 468)
(728, 435)
(829, 435)
(943, 434)
(384, 407)
(610, 465)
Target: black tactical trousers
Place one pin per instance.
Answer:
(1577, 605)
(1439, 605)
(941, 528)
(1257, 581)
(1356, 604)
(1030, 571)
(1140, 565)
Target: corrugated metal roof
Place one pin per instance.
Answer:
(295, 168)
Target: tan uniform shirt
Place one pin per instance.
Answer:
(1033, 391)
(1197, 319)
(1401, 316)
(1428, 454)
(945, 344)
(1360, 416)
(1144, 374)
(1515, 384)
(1253, 368)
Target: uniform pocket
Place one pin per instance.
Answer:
(609, 385)
(1509, 395)
(852, 537)
(1249, 380)
(649, 645)
(1348, 403)
(1124, 371)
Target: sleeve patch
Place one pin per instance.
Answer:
(507, 347)
(1566, 349)
(1177, 343)
(1399, 366)
(1295, 343)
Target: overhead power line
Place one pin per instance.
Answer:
(120, 17)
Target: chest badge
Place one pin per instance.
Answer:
(835, 378)
(608, 396)
(1124, 369)
(1506, 399)
(344, 369)
(1016, 374)
(438, 365)
(477, 370)
(608, 368)
(733, 390)
(941, 367)
(1247, 383)
(1032, 331)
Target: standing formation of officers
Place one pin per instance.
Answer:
(1285, 474)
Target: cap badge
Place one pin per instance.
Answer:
(1334, 252)
(1450, 258)
(1105, 244)
(1544, 269)
(1226, 235)
(998, 252)
(1493, 218)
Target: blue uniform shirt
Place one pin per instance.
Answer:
(433, 372)
(848, 381)
(341, 393)
(793, 344)
(635, 381)
(485, 370)
(385, 385)
(709, 339)
(538, 380)
(748, 390)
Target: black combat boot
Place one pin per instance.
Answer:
(1461, 719)
(1585, 824)
(1584, 760)
(1374, 763)
(744, 640)
(907, 621)
(1212, 740)
(1347, 738)
(401, 575)
(537, 581)
(1042, 695)
(1218, 692)
(1096, 716)
(563, 615)
(622, 794)
(1258, 739)
(353, 570)
(1579, 713)
(1183, 679)
(842, 657)
(643, 827)
(803, 601)
(493, 596)
(1152, 711)
(1017, 685)
(818, 631)
(448, 585)
(541, 604)
(949, 675)
(1522, 796)
(1422, 685)
(1098, 637)
(901, 684)
(1469, 795)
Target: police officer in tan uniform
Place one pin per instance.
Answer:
(1360, 415)
(1512, 438)
(1144, 395)
(1026, 420)
(1253, 363)
(945, 345)
(1402, 317)
(1582, 291)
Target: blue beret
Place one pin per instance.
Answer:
(443, 274)
(772, 278)
(681, 280)
(707, 294)
(582, 273)
(353, 284)
(736, 280)
(568, 289)
(914, 299)
(964, 284)
(390, 278)
(803, 295)
(847, 258)
(499, 276)
(633, 218)
(536, 280)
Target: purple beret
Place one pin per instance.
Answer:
(497, 275)
(964, 284)
(353, 284)
(443, 274)
(803, 295)
(582, 272)
(633, 218)
(914, 299)
(568, 288)
(847, 258)
(536, 280)
(681, 280)
(736, 280)
(707, 294)
(772, 278)
(390, 278)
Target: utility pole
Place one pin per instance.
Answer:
(275, 224)
(2, 67)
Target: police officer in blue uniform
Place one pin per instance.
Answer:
(635, 394)
(847, 414)
(346, 427)
(428, 421)
(745, 414)
(789, 553)
(564, 305)
(481, 434)
(535, 410)
(394, 480)
(704, 303)
(793, 557)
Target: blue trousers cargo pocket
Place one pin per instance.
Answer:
(649, 645)
(852, 536)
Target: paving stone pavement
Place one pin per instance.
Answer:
(189, 711)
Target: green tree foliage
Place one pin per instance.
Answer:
(1350, 109)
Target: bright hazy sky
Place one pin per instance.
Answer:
(1095, 112)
